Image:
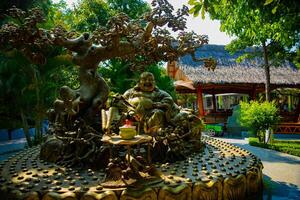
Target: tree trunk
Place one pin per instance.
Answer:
(267, 71)
(39, 116)
(26, 129)
(268, 133)
(38, 107)
(38, 130)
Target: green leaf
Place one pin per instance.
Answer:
(196, 10)
(274, 9)
(192, 2)
(203, 13)
(267, 2)
(192, 10)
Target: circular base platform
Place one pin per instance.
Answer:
(221, 171)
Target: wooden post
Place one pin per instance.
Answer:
(200, 101)
(171, 69)
(289, 103)
(253, 93)
(245, 98)
(220, 102)
(214, 101)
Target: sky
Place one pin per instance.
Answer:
(197, 24)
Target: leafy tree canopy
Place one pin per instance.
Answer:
(89, 15)
(133, 8)
(29, 89)
(259, 117)
(254, 22)
(120, 77)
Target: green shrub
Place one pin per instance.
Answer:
(289, 147)
(259, 117)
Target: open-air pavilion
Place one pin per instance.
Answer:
(238, 79)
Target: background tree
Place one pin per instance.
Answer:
(162, 80)
(27, 89)
(272, 24)
(120, 77)
(133, 8)
(89, 15)
(12, 87)
(259, 117)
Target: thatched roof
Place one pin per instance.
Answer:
(229, 71)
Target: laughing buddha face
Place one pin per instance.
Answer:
(147, 82)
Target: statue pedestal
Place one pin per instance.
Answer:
(221, 170)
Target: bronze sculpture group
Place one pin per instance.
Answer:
(175, 133)
(77, 115)
(151, 109)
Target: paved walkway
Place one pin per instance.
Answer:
(281, 171)
(9, 148)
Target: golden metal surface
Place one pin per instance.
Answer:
(104, 195)
(207, 189)
(179, 192)
(234, 187)
(142, 194)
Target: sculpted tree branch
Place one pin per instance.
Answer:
(122, 38)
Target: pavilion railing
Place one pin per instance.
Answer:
(288, 128)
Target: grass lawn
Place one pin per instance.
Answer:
(286, 146)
